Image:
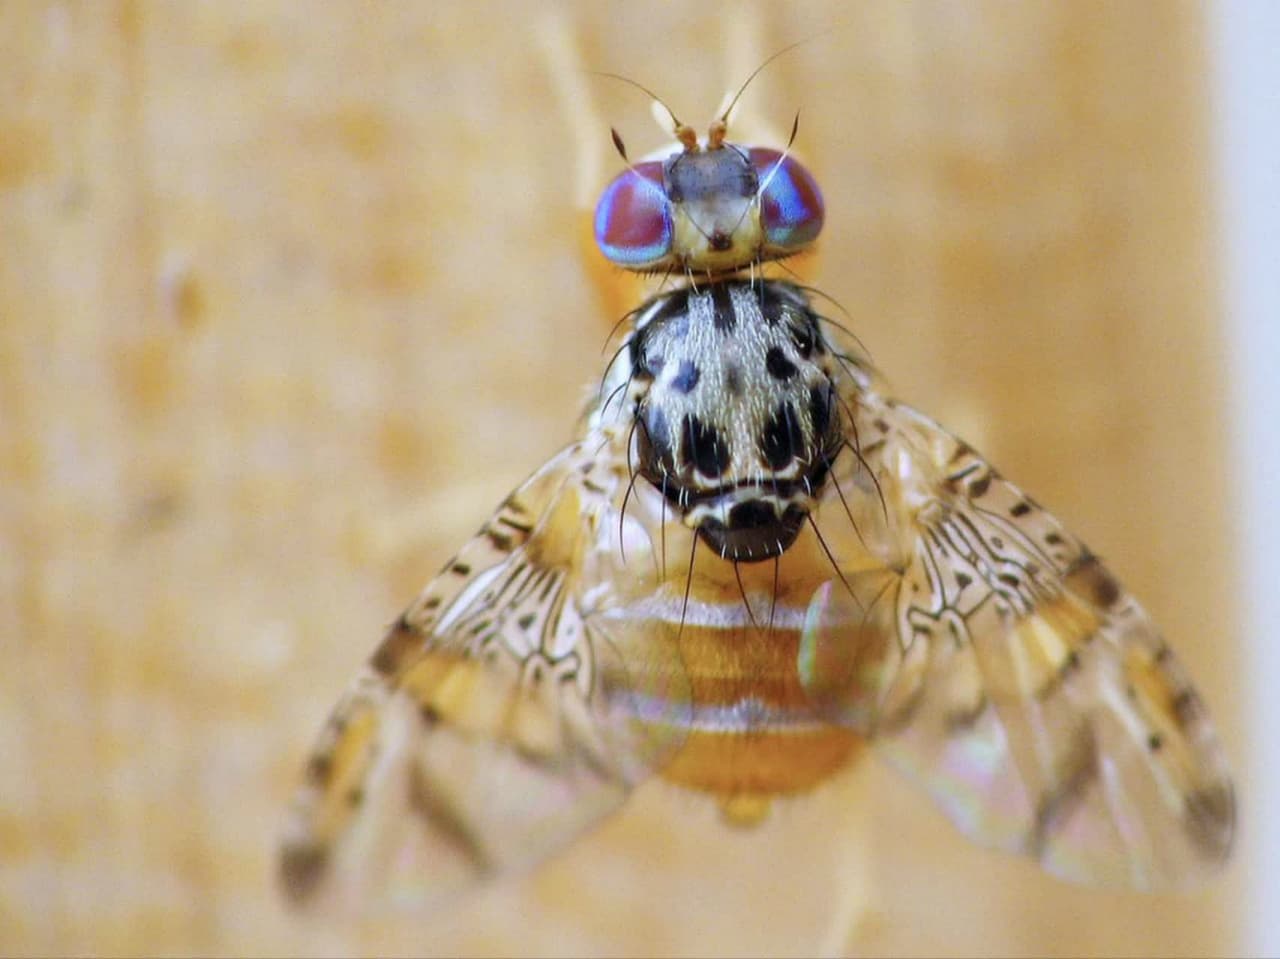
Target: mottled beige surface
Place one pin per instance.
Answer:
(291, 295)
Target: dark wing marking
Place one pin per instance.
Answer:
(496, 721)
(1000, 665)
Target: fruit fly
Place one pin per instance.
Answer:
(751, 565)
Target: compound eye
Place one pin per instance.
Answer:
(633, 218)
(791, 210)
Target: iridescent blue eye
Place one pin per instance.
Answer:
(633, 218)
(791, 210)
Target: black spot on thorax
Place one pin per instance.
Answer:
(778, 365)
(803, 337)
(704, 447)
(673, 306)
(655, 442)
(686, 377)
(782, 439)
(725, 318)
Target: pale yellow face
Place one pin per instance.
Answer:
(695, 223)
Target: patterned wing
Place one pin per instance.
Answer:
(998, 664)
(495, 722)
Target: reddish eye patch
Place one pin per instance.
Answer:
(633, 218)
(791, 208)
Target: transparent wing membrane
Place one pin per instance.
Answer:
(497, 721)
(1001, 667)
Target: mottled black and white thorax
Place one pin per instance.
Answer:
(735, 411)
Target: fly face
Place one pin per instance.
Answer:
(713, 207)
(712, 195)
(733, 398)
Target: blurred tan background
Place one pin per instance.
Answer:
(292, 295)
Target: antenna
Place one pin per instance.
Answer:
(642, 88)
(724, 117)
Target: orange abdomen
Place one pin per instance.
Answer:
(753, 731)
